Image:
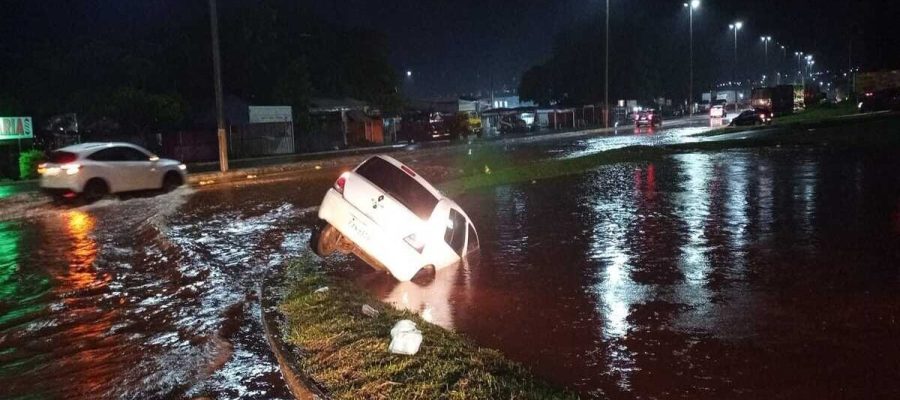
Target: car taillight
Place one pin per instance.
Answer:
(414, 243)
(340, 182)
(71, 169)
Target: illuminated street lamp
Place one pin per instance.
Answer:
(799, 55)
(766, 40)
(735, 27)
(694, 4)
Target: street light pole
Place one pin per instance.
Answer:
(735, 27)
(217, 77)
(606, 71)
(781, 63)
(694, 4)
(766, 40)
(809, 63)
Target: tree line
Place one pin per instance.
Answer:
(159, 78)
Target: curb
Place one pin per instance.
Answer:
(300, 385)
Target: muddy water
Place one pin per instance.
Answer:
(745, 274)
(147, 297)
(748, 274)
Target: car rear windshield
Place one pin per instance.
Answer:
(399, 185)
(62, 157)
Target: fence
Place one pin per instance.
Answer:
(254, 140)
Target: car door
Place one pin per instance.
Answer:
(139, 170)
(124, 168)
(107, 165)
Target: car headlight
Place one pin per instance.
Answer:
(182, 167)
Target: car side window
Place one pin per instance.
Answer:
(455, 235)
(134, 154)
(110, 154)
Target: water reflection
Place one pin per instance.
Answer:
(686, 277)
(430, 299)
(82, 250)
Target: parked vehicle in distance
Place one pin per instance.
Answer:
(778, 100)
(394, 220)
(717, 112)
(423, 127)
(649, 118)
(882, 100)
(752, 117)
(93, 170)
(510, 124)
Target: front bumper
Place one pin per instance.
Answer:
(400, 259)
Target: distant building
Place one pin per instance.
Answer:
(340, 123)
(449, 106)
(508, 101)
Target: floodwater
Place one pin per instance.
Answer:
(744, 274)
(148, 297)
(741, 274)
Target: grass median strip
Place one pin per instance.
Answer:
(347, 352)
(485, 172)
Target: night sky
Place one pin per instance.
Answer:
(456, 47)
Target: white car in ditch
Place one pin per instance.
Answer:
(394, 220)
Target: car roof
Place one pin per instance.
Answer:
(94, 146)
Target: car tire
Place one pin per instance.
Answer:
(326, 242)
(95, 189)
(172, 181)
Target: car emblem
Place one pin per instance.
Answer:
(376, 203)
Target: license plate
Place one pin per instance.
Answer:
(359, 227)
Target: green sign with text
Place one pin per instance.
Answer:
(16, 128)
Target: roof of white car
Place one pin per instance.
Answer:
(83, 147)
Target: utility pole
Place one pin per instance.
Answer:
(606, 71)
(217, 77)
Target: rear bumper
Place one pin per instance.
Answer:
(59, 192)
(400, 259)
(60, 183)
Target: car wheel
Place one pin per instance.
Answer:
(172, 181)
(95, 190)
(326, 242)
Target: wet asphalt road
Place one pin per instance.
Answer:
(740, 274)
